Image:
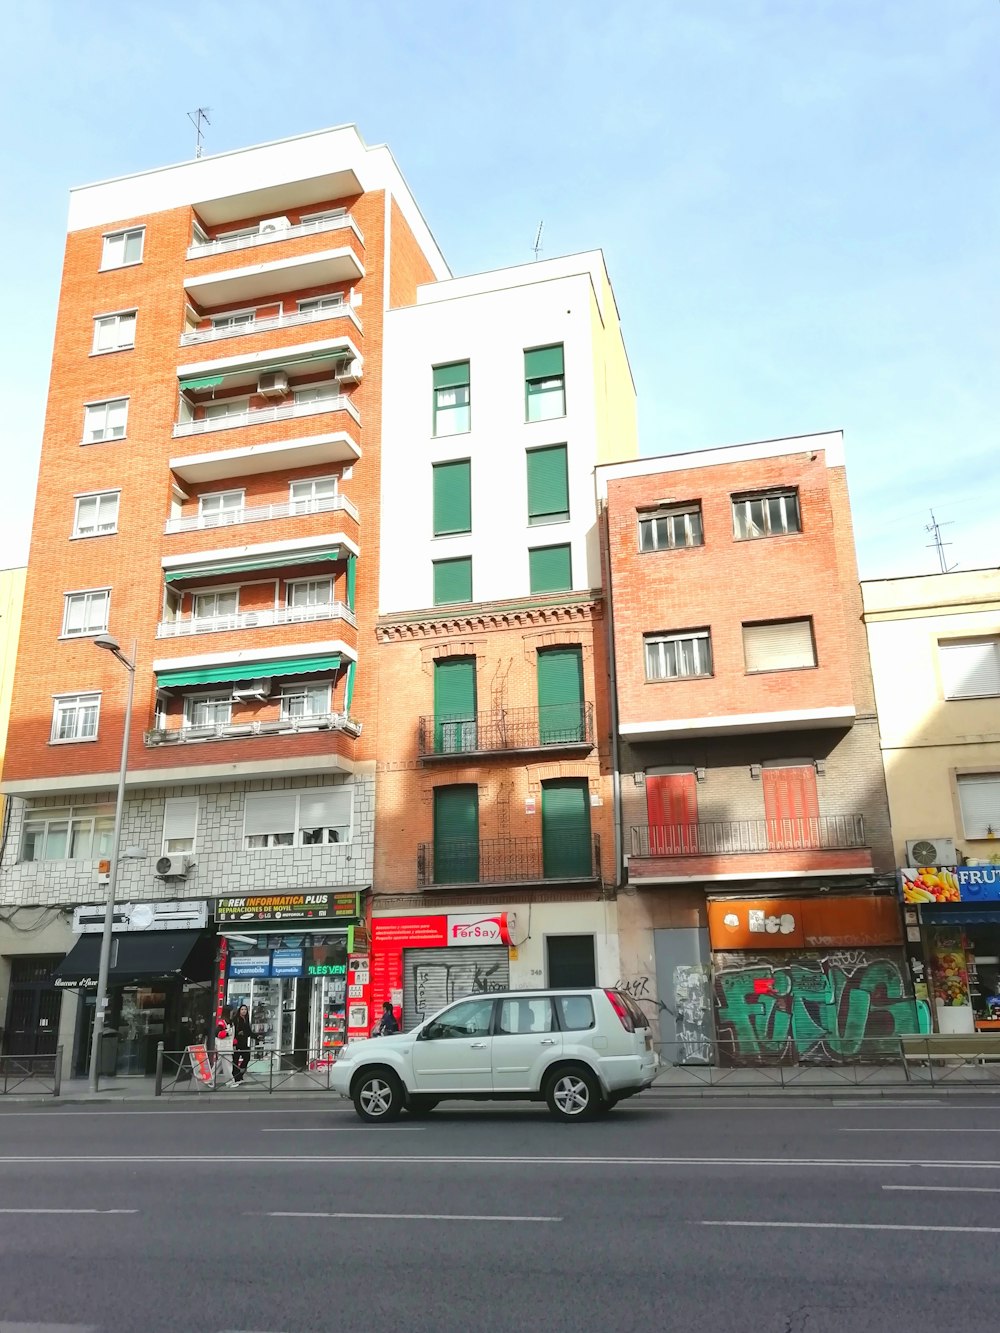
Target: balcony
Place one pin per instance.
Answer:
(265, 416)
(286, 615)
(224, 245)
(508, 731)
(256, 282)
(736, 848)
(508, 861)
(281, 456)
(237, 731)
(293, 319)
(262, 514)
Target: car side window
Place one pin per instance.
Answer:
(576, 1012)
(471, 1018)
(522, 1016)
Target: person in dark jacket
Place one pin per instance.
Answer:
(242, 1034)
(387, 1024)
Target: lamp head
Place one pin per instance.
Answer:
(107, 641)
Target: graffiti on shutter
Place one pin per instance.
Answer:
(433, 978)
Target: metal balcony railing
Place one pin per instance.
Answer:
(202, 249)
(263, 416)
(722, 837)
(506, 729)
(269, 323)
(263, 513)
(237, 731)
(283, 615)
(508, 860)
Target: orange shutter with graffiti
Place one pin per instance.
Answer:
(672, 813)
(791, 807)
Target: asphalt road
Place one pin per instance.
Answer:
(792, 1216)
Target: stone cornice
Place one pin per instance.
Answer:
(495, 616)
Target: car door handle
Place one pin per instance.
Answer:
(547, 1041)
(478, 1046)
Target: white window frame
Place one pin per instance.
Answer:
(215, 593)
(234, 407)
(79, 700)
(224, 319)
(330, 301)
(297, 829)
(72, 816)
(327, 215)
(670, 514)
(239, 234)
(175, 810)
(978, 831)
(106, 404)
(309, 504)
(99, 531)
(305, 583)
(292, 690)
(191, 701)
(948, 647)
(86, 595)
(752, 625)
(316, 393)
(123, 236)
(698, 637)
(742, 501)
(129, 316)
(219, 518)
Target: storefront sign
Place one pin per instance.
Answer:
(327, 969)
(803, 923)
(287, 907)
(286, 963)
(474, 928)
(182, 915)
(201, 1065)
(950, 884)
(250, 965)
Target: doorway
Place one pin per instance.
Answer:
(571, 960)
(33, 1008)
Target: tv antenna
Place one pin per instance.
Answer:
(197, 119)
(537, 247)
(939, 543)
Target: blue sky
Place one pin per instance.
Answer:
(798, 199)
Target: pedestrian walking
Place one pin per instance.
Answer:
(242, 1035)
(387, 1024)
(224, 1050)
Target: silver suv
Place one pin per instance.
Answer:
(581, 1051)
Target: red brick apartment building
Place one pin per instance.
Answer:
(759, 907)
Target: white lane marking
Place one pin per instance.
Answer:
(74, 1212)
(946, 1189)
(917, 1129)
(388, 1159)
(62, 1112)
(47, 1328)
(347, 1129)
(868, 1106)
(415, 1217)
(855, 1226)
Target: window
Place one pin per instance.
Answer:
(469, 1018)
(456, 834)
(519, 1017)
(674, 656)
(310, 592)
(979, 797)
(544, 384)
(113, 333)
(767, 515)
(672, 813)
(328, 215)
(208, 710)
(561, 713)
(452, 581)
(96, 515)
(452, 484)
(548, 485)
(316, 393)
(312, 496)
(238, 319)
(215, 605)
(68, 833)
(550, 569)
(222, 507)
(576, 1012)
(123, 247)
(228, 407)
(86, 612)
(314, 817)
(305, 699)
(317, 303)
(779, 645)
(74, 717)
(452, 410)
(180, 824)
(970, 668)
(791, 806)
(566, 850)
(105, 421)
(455, 705)
(671, 527)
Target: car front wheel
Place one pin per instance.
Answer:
(573, 1094)
(378, 1096)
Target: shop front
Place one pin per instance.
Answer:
(819, 980)
(299, 962)
(160, 980)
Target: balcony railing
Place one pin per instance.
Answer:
(202, 249)
(263, 416)
(269, 324)
(508, 860)
(263, 513)
(238, 731)
(552, 727)
(284, 615)
(723, 837)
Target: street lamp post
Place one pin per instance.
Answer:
(112, 645)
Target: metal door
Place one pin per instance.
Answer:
(433, 978)
(33, 1008)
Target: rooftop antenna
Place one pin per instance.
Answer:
(939, 543)
(537, 247)
(197, 118)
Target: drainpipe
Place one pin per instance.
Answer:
(609, 621)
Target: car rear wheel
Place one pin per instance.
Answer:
(378, 1096)
(573, 1094)
(421, 1106)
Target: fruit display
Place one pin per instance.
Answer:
(930, 884)
(949, 975)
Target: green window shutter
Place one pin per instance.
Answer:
(560, 696)
(452, 581)
(548, 485)
(452, 497)
(450, 377)
(550, 568)
(566, 849)
(454, 705)
(456, 834)
(544, 363)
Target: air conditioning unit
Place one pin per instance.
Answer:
(271, 225)
(931, 852)
(349, 372)
(254, 689)
(273, 385)
(173, 867)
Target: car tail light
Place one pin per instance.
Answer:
(618, 1005)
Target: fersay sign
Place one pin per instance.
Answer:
(473, 928)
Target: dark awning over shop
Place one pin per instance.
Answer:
(140, 956)
(933, 915)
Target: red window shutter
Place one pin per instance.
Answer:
(672, 812)
(791, 807)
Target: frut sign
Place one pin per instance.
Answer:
(474, 929)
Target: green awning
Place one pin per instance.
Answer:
(212, 675)
(205, 382)
(247, 566)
